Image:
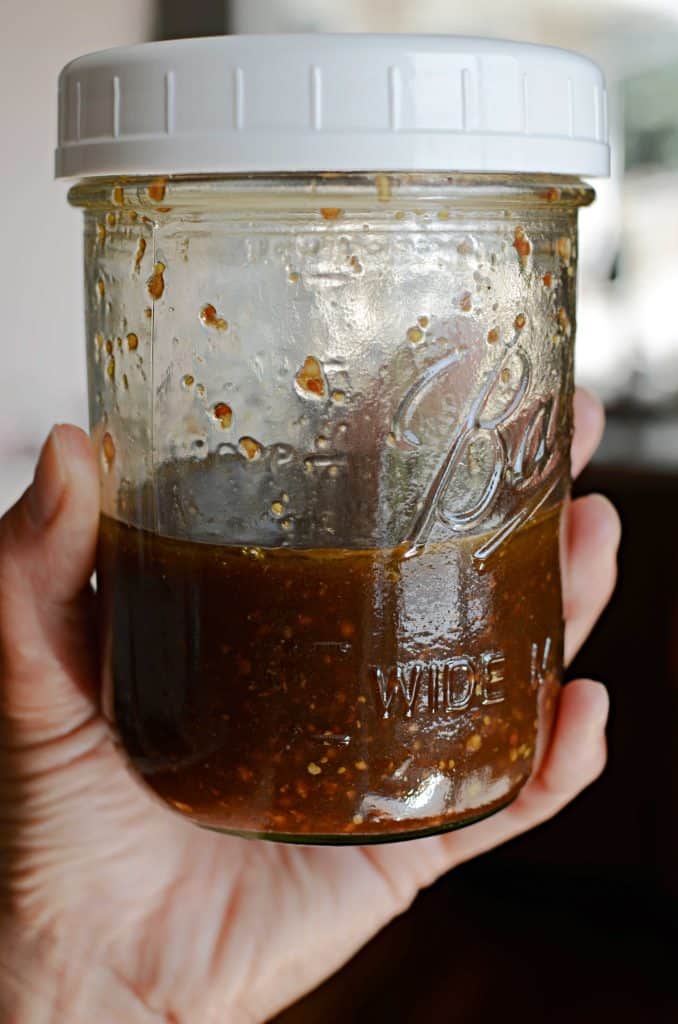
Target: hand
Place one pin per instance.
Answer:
(114, 910)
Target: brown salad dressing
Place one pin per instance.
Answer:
(324, 693)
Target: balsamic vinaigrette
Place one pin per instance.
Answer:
(320, 694)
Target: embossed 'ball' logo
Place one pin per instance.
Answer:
(498, 439)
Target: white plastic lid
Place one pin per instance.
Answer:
(239, 104)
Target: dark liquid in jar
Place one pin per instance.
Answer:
(333, 695)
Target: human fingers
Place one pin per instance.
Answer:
(575, 758)
(593, 533)
(589, 424)
(47, 553)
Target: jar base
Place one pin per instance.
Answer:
(364, 838)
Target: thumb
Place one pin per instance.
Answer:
(48, 540)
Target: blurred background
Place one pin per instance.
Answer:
(577, 920)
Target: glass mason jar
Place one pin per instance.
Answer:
(333, 413)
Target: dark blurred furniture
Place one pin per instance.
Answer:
(177, 19)
(577, 920)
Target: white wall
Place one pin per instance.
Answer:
(42, 369)
(540, 20)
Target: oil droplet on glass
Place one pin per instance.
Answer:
(564, 322)
(547, 279)
(277, 508)
(110, 368)
(224, 414)
(132, 341)
(338, 397)
(415, 335)
(522, 245)
(309, 381)
(148, 312)
(156, 190)
(200, 388)
(101, 234)
(493, 336)
(400, 215)
(108, 448)
(118, 195)
(423, 322)
(563, 248)
(293, 277)
(383, 183)
(210, 318)
(156, 283)
(520, 321)
(109, 346)
(139, 254)
(111, 219)
(187, 381)
(466, 247)
(101, 288)
(250, 448)
(331, 212)
(322, 442)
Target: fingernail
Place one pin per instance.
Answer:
(46, 491)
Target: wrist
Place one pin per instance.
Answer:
(39, 986)
(28, 990)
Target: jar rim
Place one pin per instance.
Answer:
(159, 196)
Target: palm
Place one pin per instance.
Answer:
(189, 924)
(216, 907)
